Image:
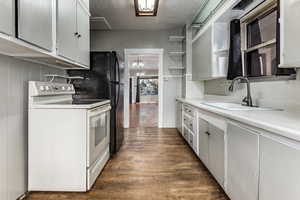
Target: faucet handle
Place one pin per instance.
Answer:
(245, 101)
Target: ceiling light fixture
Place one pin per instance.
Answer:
(146, 8)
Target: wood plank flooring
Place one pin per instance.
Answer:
(144, 115)
(153, 164)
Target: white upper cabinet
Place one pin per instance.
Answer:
(202, 56)
(73, 31)
(83, 29)
(67, 29)
(51, 32)
(7, 14)
(289, 29)
(86, 3)
(279, 169)
(35, 22)
(242, 163)
(210, 52)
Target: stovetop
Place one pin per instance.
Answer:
(86, 101)
(79, 102)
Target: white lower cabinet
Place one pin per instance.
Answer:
(247, 162)
(179, 116)
(203, 140)
(216, 153)
(212, 149)
(279, 169)
(242, 163)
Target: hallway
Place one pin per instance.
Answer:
(144, 115)
(154, 164)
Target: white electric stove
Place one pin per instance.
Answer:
(68, 141)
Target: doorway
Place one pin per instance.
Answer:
(143, 105)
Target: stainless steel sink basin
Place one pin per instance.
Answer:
(237, 107)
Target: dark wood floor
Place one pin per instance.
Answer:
(144, 115)
(154, 164)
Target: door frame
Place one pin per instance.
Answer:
(160, 54)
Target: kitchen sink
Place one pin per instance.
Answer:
(237, 107)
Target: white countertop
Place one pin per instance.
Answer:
(69, 105)
(284, 123)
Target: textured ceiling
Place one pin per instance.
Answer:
(121, 14)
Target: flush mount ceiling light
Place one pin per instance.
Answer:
(146, 8)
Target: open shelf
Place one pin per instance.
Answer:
(221, 51)
(176, 68)
(176, 38)
(176, 53)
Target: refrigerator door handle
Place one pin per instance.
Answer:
(115, 82)
(118, 99)
(119, 80)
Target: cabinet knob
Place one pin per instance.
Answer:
(207, 133)
(79, 36)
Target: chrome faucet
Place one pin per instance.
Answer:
(247, 101)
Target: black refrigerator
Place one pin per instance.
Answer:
(104, 80)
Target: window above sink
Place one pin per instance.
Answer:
(260, 42)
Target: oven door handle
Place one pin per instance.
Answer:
(99, 111)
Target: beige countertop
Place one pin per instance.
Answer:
(284, 123)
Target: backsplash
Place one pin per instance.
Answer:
(14, 77)
(280, 94)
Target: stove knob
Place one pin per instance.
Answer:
(63, 88)
(47, 88)
(69, 88)
(42, 88)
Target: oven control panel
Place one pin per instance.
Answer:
(50, 88)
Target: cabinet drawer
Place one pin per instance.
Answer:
(193, 142)
(188, 122)
(185, 133)
(189, 110)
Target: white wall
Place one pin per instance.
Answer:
(120, 40)
(14, 75)
(278, 94)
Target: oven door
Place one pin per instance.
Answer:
(98, 133)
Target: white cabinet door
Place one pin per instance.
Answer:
(179, 116)
(202, 57)
(35, 22)
(290, 28)
(86, 3)
(67, 40)
(7, 16)
(83, 27)
(203, 141)
(243, 163)
(279, 170)
(216, 153)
